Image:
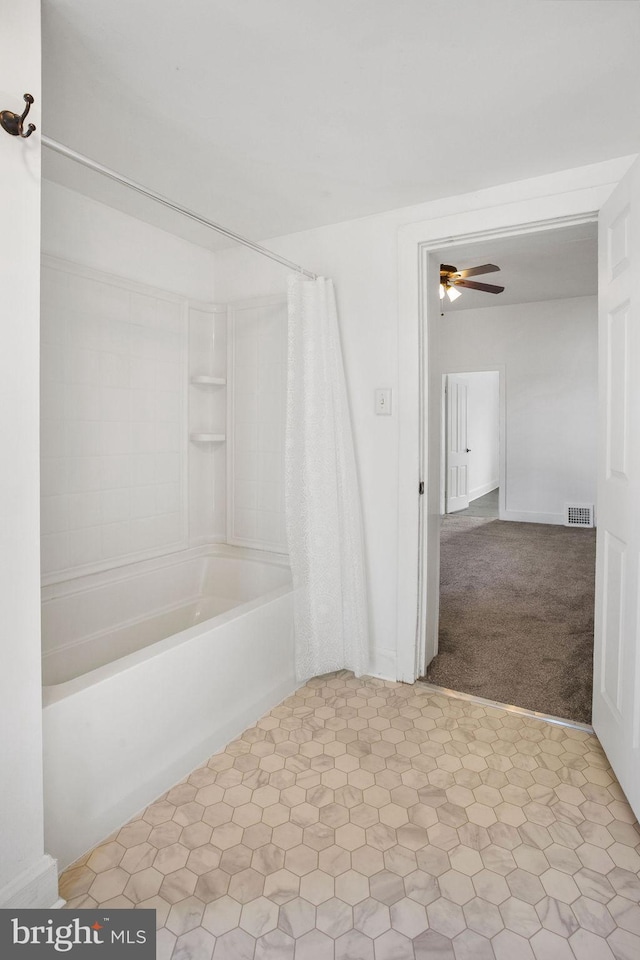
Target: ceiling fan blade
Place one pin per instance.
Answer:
(472, 285)
(476, 271)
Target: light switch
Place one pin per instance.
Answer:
(383, 401)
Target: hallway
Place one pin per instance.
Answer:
(516, 614)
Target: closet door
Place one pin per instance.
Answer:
(457, 485)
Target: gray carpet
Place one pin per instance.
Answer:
(516, 614)
(485, 506)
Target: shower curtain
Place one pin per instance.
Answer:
(324, 526)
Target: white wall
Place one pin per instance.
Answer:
(27, 875)
(361, 256)
(483, 432)
(79, 229)
(549, 353)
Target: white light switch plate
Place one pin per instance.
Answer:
(383, 401)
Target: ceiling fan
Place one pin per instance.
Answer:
(451, 278)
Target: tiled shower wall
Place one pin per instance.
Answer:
(119, 478)
(113, 428)
(257, 378)
(207, 415)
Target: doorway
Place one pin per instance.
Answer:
(613, 199)
(506, 630)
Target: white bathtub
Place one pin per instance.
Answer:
(147, 670)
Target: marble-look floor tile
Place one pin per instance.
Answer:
(275, 944)
(557, 917)
(393, 946)
(588, 946)
(509, 946)
(550, 946)
(354, 946)
(367, 820)
(625, 945)
(196, 944)
(469, 945)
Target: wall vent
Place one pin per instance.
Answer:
(578, 515)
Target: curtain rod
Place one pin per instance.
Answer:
(112, 175)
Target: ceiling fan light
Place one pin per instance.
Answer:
(452, 293)
(442, 291)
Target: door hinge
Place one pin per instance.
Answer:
(421, 487)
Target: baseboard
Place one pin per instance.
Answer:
(483, 489)
(35, 887)
(527, 516)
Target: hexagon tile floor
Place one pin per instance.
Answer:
(368, 820)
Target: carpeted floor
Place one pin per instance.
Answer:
(516, 614)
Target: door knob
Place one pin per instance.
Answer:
(468, 450)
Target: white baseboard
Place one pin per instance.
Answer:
(527, 516)
(481, 490)
(35, 887)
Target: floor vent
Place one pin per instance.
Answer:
(578, 515)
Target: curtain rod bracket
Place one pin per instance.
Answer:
(13, 123)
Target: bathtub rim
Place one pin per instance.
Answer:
(53, 693)
(83, 582)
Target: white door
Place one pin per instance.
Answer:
(457, 470)
(616, 693)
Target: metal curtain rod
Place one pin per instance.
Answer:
(112, 175)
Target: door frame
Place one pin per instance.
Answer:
(515, 209)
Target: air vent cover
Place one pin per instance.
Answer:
(578, 515)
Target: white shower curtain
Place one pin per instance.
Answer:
(324, 526)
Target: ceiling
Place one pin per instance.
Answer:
(274, 116)
(546, 265)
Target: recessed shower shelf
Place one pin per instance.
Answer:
(207, 437)
(207, 381)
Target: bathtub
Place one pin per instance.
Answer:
(148, 669)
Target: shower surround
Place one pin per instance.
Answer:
(152, 624)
